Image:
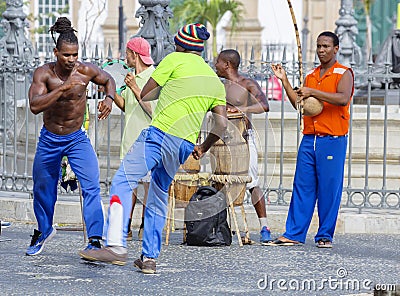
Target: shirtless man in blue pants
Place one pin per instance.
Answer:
(59, 91)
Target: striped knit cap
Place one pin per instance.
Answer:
(192, 36)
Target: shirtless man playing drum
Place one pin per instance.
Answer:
(59, 91)
(246, 96)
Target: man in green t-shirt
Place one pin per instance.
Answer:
(186, 88)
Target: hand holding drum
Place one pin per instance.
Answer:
(311, 105)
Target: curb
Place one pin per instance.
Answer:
(15, 208)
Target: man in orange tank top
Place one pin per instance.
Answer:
(322, 152)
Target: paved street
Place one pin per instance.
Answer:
(355, 264)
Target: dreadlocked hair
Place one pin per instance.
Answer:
(64, 28)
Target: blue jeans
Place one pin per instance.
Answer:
(162, 154)
(318, 178)
(46, 172)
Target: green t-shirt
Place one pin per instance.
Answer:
(135, 118)
(190, 88)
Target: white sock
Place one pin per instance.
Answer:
(118, 250)
(146, 258)
(263, 222)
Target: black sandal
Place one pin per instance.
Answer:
(324, 243)
(279, 242)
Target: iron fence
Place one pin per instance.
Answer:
(372, 167)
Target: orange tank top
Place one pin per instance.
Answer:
(334, 119)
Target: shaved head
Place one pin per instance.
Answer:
(232, 56)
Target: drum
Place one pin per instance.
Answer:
(237, 191)
(230, 159)
(118, 69)
(183, 187)
(191, 165)
(237, 125)
(230, 156)
(186, 181)
(312, 106)
(233, 185)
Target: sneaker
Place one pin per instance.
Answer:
(38, 241)
(94, 244)
(106, 255)
(265, 235)
(5, 224)
(148, 266)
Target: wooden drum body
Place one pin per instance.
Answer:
(186, 181)
(230, 155)
(230, 159)
(237, 191)
(191, 165)
(184, 186)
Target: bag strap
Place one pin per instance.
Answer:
(204, 192)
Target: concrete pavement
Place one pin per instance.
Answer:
(366, 253)
(354, 266)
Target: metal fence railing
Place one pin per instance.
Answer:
(372, 168)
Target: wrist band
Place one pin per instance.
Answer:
(110, 96)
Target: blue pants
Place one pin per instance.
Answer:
(46, 172)
(162, 154)
(318, 178)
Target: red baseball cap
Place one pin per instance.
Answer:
(142, 48)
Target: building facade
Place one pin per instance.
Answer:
(266, 24)
(97, 23)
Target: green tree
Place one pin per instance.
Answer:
(52, 15)
(208, 11)
(3, 7)
(174, 23)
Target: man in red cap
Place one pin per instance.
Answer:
(137, 112)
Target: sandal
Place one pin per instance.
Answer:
(247, 241)
(281, 241)
(324, 243)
